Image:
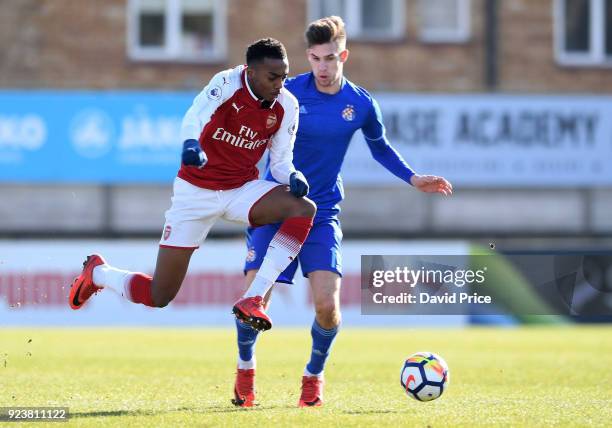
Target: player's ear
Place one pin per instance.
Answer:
(344, 55)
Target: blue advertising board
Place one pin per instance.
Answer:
(103, 137)
(491, 140)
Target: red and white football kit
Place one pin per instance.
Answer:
(234, 130)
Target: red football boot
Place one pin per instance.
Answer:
(83, 286)
(244, 388)
(312, 392)
(250, 310)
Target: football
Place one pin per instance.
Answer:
(424, 376)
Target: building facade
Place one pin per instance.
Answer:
(400, 47)
(545, 46)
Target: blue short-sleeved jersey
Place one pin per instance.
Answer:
(327, 124)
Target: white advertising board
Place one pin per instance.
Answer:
(35, 279)
(494, 140)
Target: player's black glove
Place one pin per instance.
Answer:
(298, 185)
(193, 154)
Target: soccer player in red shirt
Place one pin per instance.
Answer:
(240, 113)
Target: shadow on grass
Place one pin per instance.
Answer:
(195, 410)
(105, 413)
(369, 412)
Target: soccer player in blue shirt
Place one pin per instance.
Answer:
(331, 109)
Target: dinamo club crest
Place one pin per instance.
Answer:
(348, 113)
(251, 254)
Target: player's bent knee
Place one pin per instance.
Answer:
(162, 299)
(161, 302)
(305, 208)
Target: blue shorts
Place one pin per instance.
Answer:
(321, 251)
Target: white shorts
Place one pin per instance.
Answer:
(194, 210)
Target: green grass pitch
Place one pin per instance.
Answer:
(537, 376)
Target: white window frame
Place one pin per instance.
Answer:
(459, 35)
(171, 52)
(597, 53)
(352, 18)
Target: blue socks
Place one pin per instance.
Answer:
(321, 342)
(246, 340)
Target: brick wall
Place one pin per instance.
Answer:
(82, 44)
(527, 57)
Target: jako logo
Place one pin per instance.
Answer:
(91, 132)
(22, 132)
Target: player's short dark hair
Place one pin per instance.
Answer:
(265, 48)
(326, 30)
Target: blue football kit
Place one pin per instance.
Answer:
(326, 125)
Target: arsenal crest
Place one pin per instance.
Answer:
(271, 120)
(167, 232)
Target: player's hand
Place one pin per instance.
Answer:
(298, 185)
(193, 155)
(432, 184)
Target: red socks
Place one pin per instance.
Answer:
(138, 289)
(293, 232)
(283, 249)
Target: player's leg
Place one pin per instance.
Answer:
(244, 385)
(247, 335)
(137, 287)
(257, 240)
(321, 262)
(187, 224)
(295, 215)
(325, 286)
(273, 204)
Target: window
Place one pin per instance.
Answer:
(583, 32)
(444, 21)
(365, 19)
(177, 30)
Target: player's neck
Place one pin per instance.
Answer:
(251, 89)
(331, 89)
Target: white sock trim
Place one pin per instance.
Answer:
(308, 374)
(247, 365)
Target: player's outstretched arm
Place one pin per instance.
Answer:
(432, 184)
(387, 156)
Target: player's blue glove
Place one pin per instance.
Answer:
(298, 185)
(193, 154)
